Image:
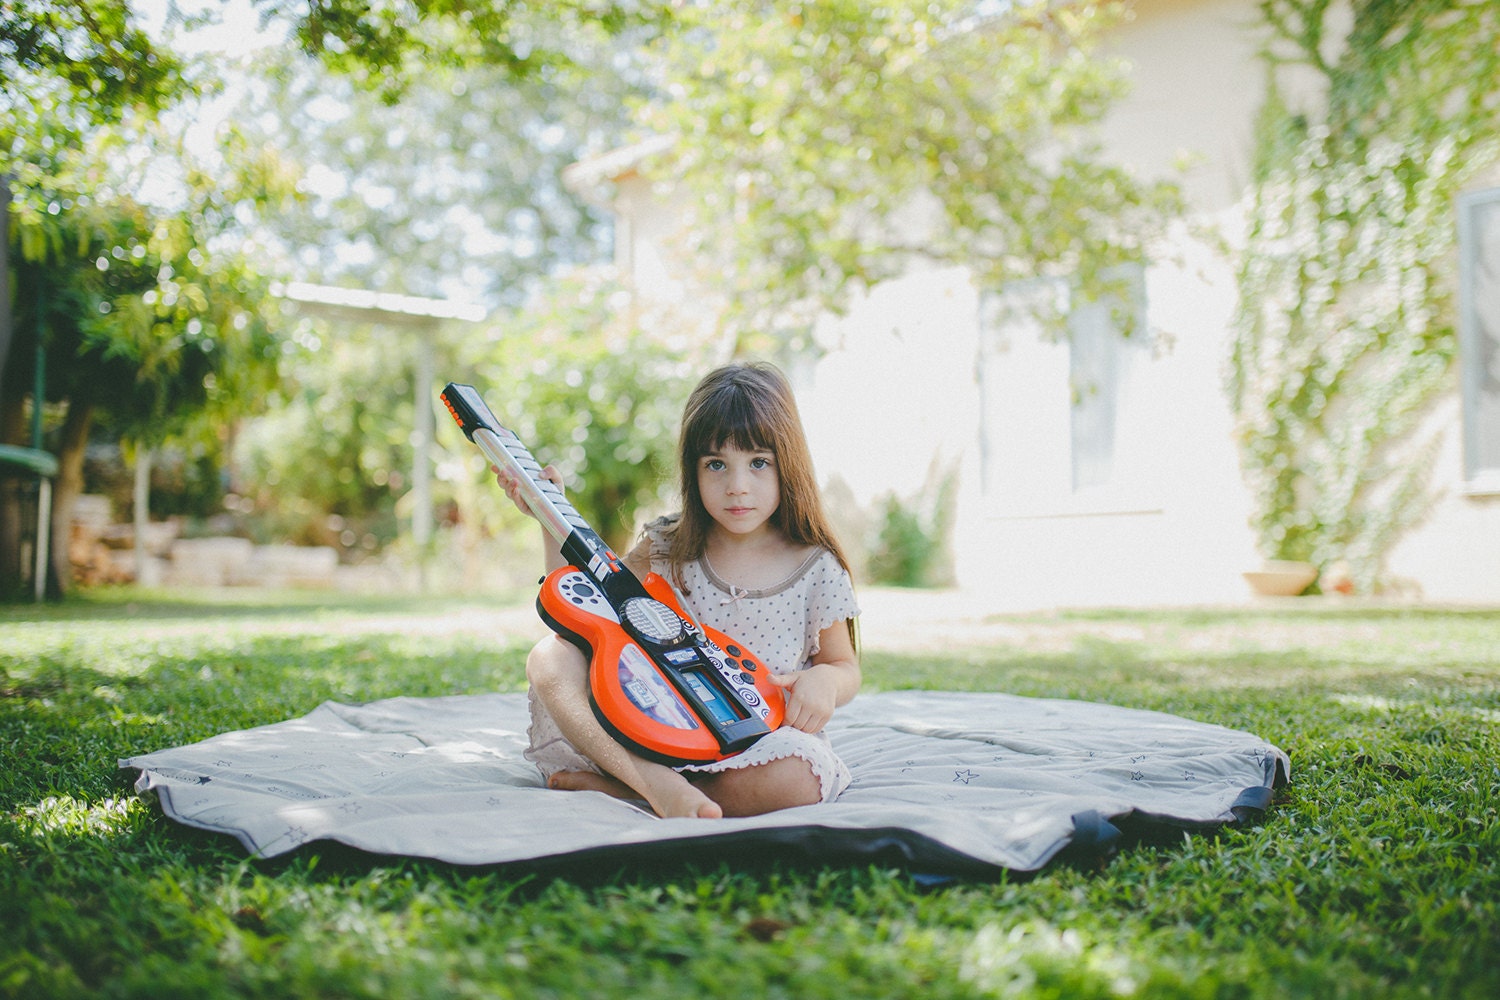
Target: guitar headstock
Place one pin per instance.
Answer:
(469, 409)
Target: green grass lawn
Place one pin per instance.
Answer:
(1375, 874)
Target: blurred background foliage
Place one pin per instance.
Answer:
(593, 381)
(414, 149)
(846, 139)
(150, 318)
(454, 191)
(1348, 328)
(418, 148)
(586, 380)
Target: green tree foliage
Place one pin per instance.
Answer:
(1347, 328)
(593, 382)
(454, 192)
(830, 143)
(142, 312)
(330, 460)
(79, 63)
(387, 45)
(93, 47)
(160, 319)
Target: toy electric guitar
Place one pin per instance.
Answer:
(666, 687)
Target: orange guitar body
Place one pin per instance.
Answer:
(712, 704)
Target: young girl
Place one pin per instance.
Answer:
(752, 555)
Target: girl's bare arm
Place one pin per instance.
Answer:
(512, 487)
(831, 681)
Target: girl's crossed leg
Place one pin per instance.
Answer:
(558, 674)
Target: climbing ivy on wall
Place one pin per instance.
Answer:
(1346, 332)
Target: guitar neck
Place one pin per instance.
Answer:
(581, 544)
(546, 501)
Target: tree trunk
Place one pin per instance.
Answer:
(12, 431)
(6, 320)
(10, 537)
(74, 438)
(141, 508)
(10, 416)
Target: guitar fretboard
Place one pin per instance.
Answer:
(581, 544)
(544, 498)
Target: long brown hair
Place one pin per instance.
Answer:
(748, 406)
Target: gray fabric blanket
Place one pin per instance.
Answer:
(944, 783)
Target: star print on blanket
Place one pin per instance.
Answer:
(943, 783)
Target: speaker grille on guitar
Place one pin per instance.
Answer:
(653, 619)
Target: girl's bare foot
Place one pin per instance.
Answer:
(588, 781)
(692, 804)
(689, 802)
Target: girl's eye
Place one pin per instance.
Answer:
(714, 465)
(760, 463)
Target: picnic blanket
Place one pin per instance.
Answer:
(944, 783)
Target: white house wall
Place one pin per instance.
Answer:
(1454, 554)
(897, 398)
(1174, 526)
(895, 390)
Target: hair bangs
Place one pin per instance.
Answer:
(732, 418)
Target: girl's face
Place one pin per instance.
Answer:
(740, 489)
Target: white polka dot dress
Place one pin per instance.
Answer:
(780, 624)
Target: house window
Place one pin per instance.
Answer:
(1062, 425)
(1479, 337)
(1099, 359)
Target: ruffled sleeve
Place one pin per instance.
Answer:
(830, 599)
(658, 534)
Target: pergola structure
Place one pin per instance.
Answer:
(421, 317)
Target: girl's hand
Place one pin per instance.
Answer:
(512, 485)
(811, 696)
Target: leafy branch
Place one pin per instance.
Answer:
(1346, 332)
